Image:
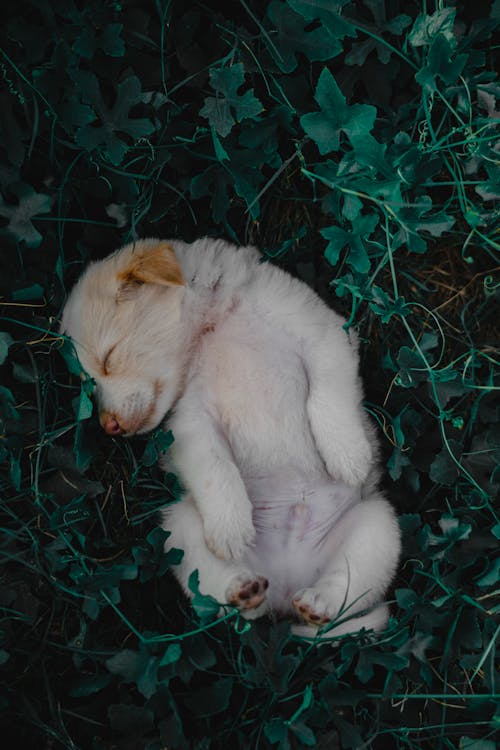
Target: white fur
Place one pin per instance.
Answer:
(271, 442)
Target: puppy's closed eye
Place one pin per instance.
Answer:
(106, 364)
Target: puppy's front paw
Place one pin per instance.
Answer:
(228, 537)
(350, 459)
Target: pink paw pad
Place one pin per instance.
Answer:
(248, 593)
(307, 613)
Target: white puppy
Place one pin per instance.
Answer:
(281, 512)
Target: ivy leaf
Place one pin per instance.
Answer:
(473, 743)
(360, 50)
(328, 13)
(216, 183)
(371, 657)
(82, 404)
(419, 219)
(130, 719)
(384, 307)
(68, 352)
(141, 668)
(292, 37)
(172, 654)
(411, 368)
(304, 733)
(229, 107)
(158, 443)
(339, 238)
(492, 575)
(28, 293)
(370, 153)
(21, 215)
(265, 134)
(88, 685)
(5, 341)
(443, 469)
(349, 734)
(241, 174)
(206, 607)
(109, 41)
(276, 730)
(336, 116)
(107, 137)
(211, 700)
(128, 664)
(427, 27)
(441, 64)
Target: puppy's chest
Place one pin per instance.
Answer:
(259, 386)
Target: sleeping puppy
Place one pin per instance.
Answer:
(259, 384)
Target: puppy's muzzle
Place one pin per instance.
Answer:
(110, 424)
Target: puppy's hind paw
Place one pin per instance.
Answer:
(310, 607)
(247, 593)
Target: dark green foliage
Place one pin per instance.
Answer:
(357, 144)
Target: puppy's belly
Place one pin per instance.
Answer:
(296, 522)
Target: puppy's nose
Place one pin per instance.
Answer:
(110, 424)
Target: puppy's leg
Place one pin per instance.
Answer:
(203, 459)
(228, 581)
(365, 546)
(375, 620)
(334, 404)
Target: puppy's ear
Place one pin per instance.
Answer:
(155, 265)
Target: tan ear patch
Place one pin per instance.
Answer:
(156, 265)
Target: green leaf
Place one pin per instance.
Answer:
(304, 733)
(82, 404)
(211, 700)
(128, 664)
(205, 606)
(88, 685)
(4, 656)
(172, 654)
(469, 743)
(115, 122)
(385, 308)
(328, 13)
(338, 238)
(368, 659)
(418, 219)
(109, 41)
(349, 734)
(7, 404)
(228, 106)
(292, 37)
(406, 598)
(412, 368)
(442, 64)
(20, 216)
(492, 575)
(427, 27)
(129, 719)
(336, 116)
(443, 469)
(5, 341)
(276, 730)
(158, 443)
(138, 667)
(68, 352)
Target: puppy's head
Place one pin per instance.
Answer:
(124, 319)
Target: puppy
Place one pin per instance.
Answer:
(259, 384)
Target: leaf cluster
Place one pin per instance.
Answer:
(356, 143)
